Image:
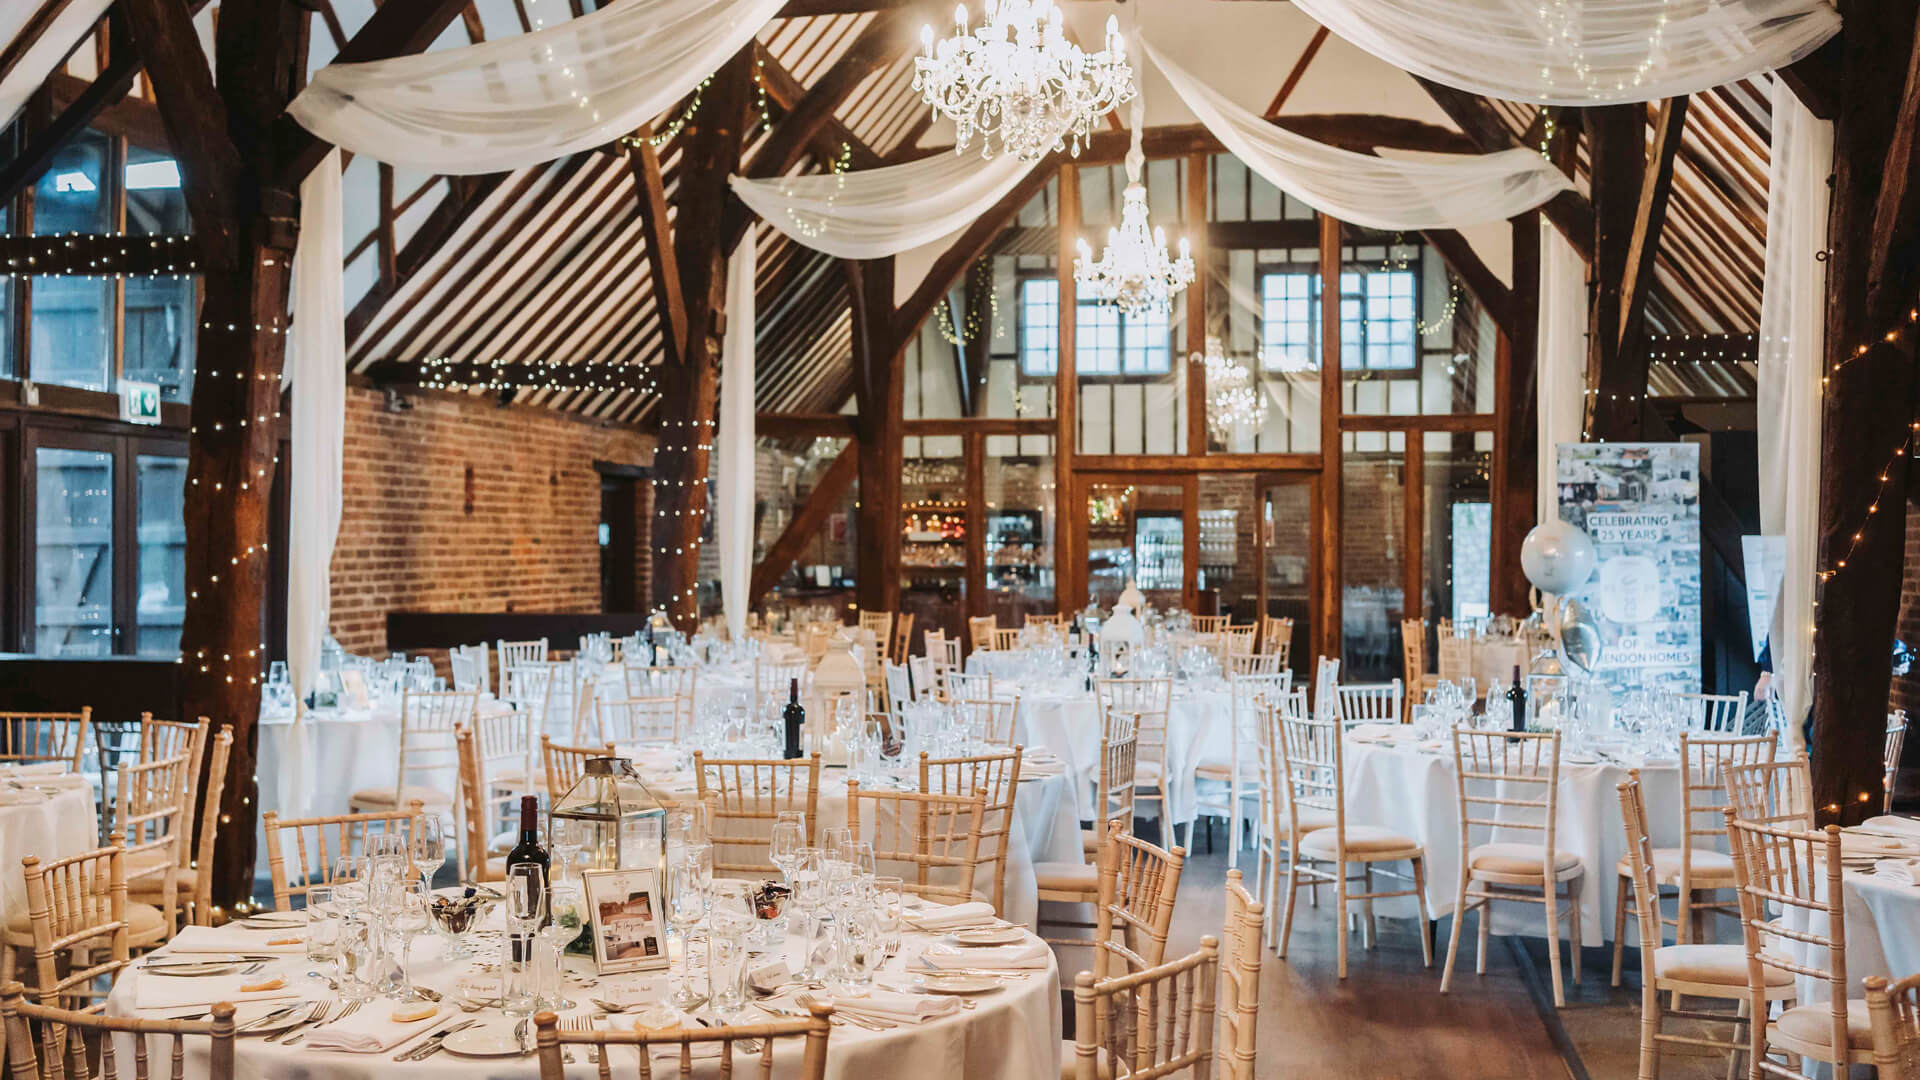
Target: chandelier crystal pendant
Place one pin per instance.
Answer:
(1234, 401)
(1134, 273)
(1017, 80)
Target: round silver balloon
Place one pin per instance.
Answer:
(1557, 557)
(1580, 640)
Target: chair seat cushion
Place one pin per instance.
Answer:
(1709, 867)
(1716, 965)
(1520, 858)
(1146, 773)
(383, 796)
(184, 879)
(145, 926)
(1312, 819)
(1067, 877)
(1363, 841)
(1812, 1025)
(1221, 769)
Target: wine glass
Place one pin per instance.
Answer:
(788, 840)
(859, 855)
(834, 839)
(569, 840)
(429, 846)
(686, 906)
(526, 910)
(409, 920)
(566, 910)
(730, 919)
(346, 880)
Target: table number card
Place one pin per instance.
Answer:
(629, 933)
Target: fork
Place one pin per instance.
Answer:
(314, 1016)
(580, 1023)
(352, 1007)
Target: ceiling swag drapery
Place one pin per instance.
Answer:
(1581, 52)
(523, 100)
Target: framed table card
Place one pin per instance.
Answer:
(629, 933)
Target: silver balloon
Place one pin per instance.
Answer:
(1580, 640)
(1557, 557)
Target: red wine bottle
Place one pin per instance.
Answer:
(528, 850)
(1517, 698)
(795, 717)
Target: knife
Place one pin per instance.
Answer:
(268, 1018)
(432, 1045)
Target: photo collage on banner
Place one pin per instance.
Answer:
(1640, 504)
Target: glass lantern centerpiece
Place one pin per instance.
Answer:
(617, 821)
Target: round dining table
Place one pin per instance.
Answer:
(1009, 1032)
(45, 812)
(1882, 914)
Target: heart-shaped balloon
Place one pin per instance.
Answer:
(1580, 641)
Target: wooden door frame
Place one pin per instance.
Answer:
(1189, 485)
(1309, 479)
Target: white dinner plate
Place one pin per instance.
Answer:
(957, 984)
(484, 1040)
(988, 936)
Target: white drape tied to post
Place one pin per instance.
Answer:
(54, 41)
(874, 213)
(1792, 313)
(1581, 52)
(530, 98)
(1428, 192)
(316, 365)
(1562, 363)
(733, 525)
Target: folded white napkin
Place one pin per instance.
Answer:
(1024, 957)
(1364, 732)
(232, 938)
(38, 768)
(894, 1005)
(1897, 871)
(370, 1030)
(948, 918)
(1890, 823)
(175, 991)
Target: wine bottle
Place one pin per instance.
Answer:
(795, 718)
(528, 850)
(1517, 698)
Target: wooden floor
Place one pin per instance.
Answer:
(1388, 1018)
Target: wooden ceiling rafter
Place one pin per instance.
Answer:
(1569, 211)
(1297, 72)
(650, 196)
(1668, 129)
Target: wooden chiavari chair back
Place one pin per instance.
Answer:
(879, 624)
(1893, 1009)
(63, 1038)
(1208, 624)
(980, 630)
(155, 820)
(675, 681)
(1703, 792)
(1139, 882)
(1034, 618)
(1006, 639)
(648, 721)
(899, 688)
(921, 677)
(960, 686)
(201, 865)
(1780, 872)
(1149, 1024)
(901, 645)
(78, 907)
(1370, 703)
(553, 1034)
(1256, 664)
(815, 638)
(171, 738)
(28, 737)
(772, 680)
(1896, 737)
(319, 841)
(513, 654)
(1239, 640)
(1240, 937)
(429, 766)
(999, 776)
(934, 839)
(1118, 781)
(564, 765)
(1413, 651)
(1276, 637)
(744, 796)
(1772, 793)
(1717, 714)
(993, 722)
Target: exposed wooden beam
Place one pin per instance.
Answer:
(1657, 185)
(885, 36)
(1618, 155)
(965, 248)
(1815, 79)
(392, 30)
(828, 490)
(803, 425)
(464, 196)
(1896, 211)
(29, 34)
(879, 374)
(133, 117)
(663, 267)
(1569, 212)
(1307, 54)
(1486, 288)
(1515, 472)
(788, 93)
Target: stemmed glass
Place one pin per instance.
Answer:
(686, 906)
(429, 846)
(566, 909)
(409, 921)
(730, 919)
(526, 911)
(568, 842)
(788, 841)
(859, 856)
(809, 880)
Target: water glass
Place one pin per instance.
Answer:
(889, 894)
(567, 909)
(357, 956)
(730, 919)
(323, 926)
(861, 948)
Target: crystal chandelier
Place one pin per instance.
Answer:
(1134, 273)
(1233, 400)
(1018, 79)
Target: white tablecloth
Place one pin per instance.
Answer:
(1012, 1034)
(1883, 926)
(1413, 792)
(50, 827)
(1046, 825)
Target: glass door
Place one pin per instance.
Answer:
(160, 604)
(73, 548)
(1289, 512)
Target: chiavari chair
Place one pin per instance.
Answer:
(564, 765)
(154, 820)
(1240, 773)
(493, 776)
(513, 654)
(468, 664)
(999, 776)
(1697, 866)
(62, 1053)
(1079, 882)
(744, 797)
(1413, 654)
(960, 686)
(173, 738)
(1896, 736)
(1772, 793)
(772, 680)
(815, 639)
(28, 737)
(427, 751)
(1034, 618)
(650, 721)
(1273, 843)
(193, 873)
(1894, 1010)
(901, 645)
(1276, 637)
(1006, 639)
(1239, 982)
(1256, 664)
(1149, 702)
(1326, 681)
(477, 811)
(1148, 1024)
(1239, 640)
(677, 682)
(1139, 882)
(1454, 659)
(1504, 782)
(879, 624)
(1312, 752)
(1717, 714)
(318, 841)
(899, 688)
(1789, 871)
(936, 837)
(980, 633)
(920, 671)
(992, 722)
(1370, 703)
(810, 1030)
(77, 907)
(1710, 971)
(1209, 624)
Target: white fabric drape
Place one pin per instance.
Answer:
(530, 98)
(1562, 360)
(1427, 192)
(316, 365)
(72, 23)
(873, 213)
(1792, 321)
(733, 525)
(1581, 52)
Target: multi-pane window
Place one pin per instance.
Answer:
(1105, 341)
(1377, 320)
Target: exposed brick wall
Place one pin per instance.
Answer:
(459, 505)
